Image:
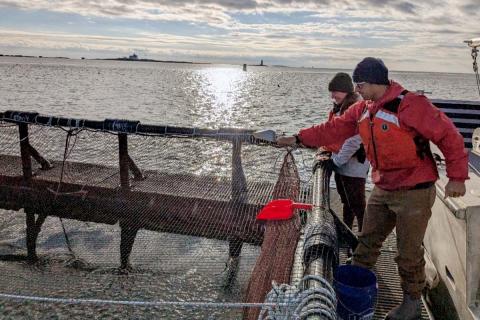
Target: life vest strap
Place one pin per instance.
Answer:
(393, 105)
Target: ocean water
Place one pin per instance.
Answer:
(212, 96)
(206, 96)
(193, 95)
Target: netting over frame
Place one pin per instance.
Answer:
(190, 218)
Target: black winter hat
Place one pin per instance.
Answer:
(341, 82)
(371, 70)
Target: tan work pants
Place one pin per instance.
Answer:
(408, 211)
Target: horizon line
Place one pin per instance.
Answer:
(212, 63)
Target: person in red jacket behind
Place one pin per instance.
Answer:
(395, 126)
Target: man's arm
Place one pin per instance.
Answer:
(338, 129)
(419, 114)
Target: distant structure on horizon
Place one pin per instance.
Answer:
(261, 62)
(133, 57)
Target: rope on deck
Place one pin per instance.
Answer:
(140, 303)
(295, 302)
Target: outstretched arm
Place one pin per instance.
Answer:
(335, 130)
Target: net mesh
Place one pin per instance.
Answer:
(177, 239)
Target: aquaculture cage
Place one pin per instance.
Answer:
(117, 218)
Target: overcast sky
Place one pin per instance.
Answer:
(407, 35)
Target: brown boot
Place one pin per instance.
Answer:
(409, 309)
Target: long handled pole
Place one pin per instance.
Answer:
(135, 127)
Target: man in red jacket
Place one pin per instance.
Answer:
(396, 126)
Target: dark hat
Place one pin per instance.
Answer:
(371, 70)
(341, 82)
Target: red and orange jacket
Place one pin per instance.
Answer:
(395, 162)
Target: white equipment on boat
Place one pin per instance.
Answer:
(473, 42)
(452, 239)
(452, 243)
(476, 141)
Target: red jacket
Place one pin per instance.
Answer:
(334, 147)
(417, 116)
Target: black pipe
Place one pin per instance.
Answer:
(129, 126)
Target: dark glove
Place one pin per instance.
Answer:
(323, 155)
(325, 164)
(328, 165)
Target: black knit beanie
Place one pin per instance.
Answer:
(341, 82)
(371, 70)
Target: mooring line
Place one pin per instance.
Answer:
(139, 303)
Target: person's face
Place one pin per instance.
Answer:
(365, 90)
(338, 96)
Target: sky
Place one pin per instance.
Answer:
(408, 35)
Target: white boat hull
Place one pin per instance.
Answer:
(452, 244)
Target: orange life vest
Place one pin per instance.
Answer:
(387, 144)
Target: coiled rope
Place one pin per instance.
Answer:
(293, 302)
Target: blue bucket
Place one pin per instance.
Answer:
(356, 289)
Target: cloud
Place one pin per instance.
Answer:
(469, 7)
(215, 11)
(402, 6)
(406, 7)
(319, 32)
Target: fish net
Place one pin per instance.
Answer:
(117, 225)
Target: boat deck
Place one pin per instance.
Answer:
(389, 290)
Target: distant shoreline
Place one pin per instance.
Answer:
(23, 56)
(154, 60)
(108, 59)
(148, 60)
(213, 63)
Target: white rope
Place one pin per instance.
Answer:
(137, 303)
(298, 302)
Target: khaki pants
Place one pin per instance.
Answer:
(408, 211)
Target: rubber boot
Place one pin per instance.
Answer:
(409, 309)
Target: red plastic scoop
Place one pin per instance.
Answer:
(281, 209)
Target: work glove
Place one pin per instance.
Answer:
(328, 165)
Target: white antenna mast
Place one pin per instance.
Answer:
(474, 44)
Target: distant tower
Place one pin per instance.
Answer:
(261, 62)
(244, 67)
